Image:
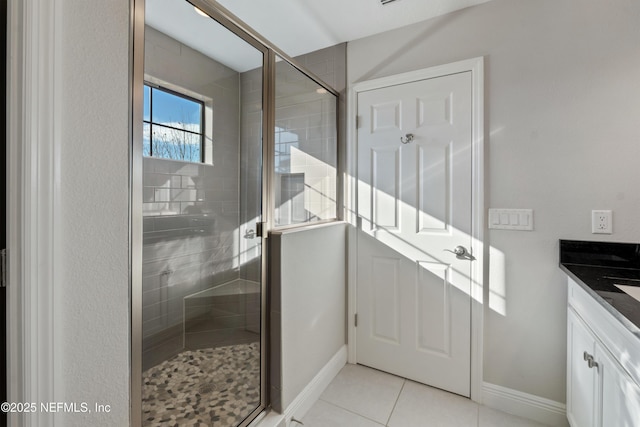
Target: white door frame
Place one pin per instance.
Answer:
(476, 67)
(33, 142)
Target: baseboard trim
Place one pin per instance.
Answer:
(309, 395)
(525, 405)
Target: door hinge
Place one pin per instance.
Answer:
(357, 122)
(3, 268)
(355, 320)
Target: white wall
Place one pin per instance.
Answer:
(308, 281)
(92, 294)
(562, 105)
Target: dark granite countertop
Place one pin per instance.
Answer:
(597, 267)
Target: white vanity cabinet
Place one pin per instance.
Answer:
(620, 394)
(582, 381)
(603, 366)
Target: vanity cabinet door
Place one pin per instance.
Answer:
(582, 380)
(620, 394)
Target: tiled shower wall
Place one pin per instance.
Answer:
(328, 64)
(194, 220)
(305, 143)
(191, 210)
(251, 170)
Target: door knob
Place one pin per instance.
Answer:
(407, 138)
(461, 253)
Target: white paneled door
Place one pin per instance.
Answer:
(414, 208)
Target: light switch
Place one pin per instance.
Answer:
(511, 219)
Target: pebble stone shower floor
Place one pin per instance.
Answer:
(215, 387)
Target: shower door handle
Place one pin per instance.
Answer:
(258, 232)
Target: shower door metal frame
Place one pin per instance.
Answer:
(269, 51)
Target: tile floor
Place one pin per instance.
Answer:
(208, 387)
(364, 397)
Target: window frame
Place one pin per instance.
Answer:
(153, 86)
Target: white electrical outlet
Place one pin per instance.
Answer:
(601, 222)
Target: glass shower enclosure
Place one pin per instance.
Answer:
(202, 329)
(226, 129)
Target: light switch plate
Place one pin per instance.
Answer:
(511, 219)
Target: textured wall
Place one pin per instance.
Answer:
(562, 102)
(94, 204)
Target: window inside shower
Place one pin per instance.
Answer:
(173, 125)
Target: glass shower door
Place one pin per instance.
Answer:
(202, 292)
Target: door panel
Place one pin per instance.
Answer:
(434, 188)
(385, 174)
(386, 303)
(385, 116)
(414, 203)
(433, 299)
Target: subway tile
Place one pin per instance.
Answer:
(148, 194)
(191, 182)
(182, 195)
(172, 222)
(148, 224)
(151, 297)
(152, 311)
(219, 338)
(162, 195)
(156, 268)
(160, 209)
(161, 352)
(214, 323)
(317, 132)
(150, 179)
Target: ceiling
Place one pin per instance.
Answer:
(179, 20)
(302, 26)
(295, 26)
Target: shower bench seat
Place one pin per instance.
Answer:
(226, 314)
